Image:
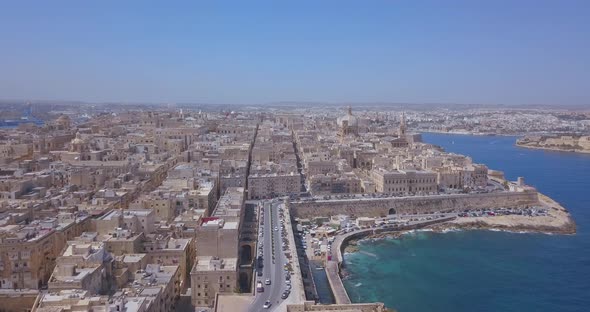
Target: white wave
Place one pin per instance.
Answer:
(447, 230)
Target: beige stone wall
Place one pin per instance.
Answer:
(269, 186)
(120, 247)
(563, 140)
(206, 284)
(163, 207)
(557, 142)
(357, 307)
(176, 257)
(320, 167)
(28, 264)
(584, 142)
(18, 301)
(217, 242)
(104, 226)
(413, 204)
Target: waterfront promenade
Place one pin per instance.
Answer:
(335, 258)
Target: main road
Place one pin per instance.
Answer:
(273, 255)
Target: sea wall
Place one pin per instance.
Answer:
(379, 207)
(334, 264)
(342, 241)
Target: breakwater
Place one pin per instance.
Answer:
(335, 261)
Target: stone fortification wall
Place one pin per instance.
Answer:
(375, 207)
(564, 142)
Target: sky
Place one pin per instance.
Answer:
(513, 52)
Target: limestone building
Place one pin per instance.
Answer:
(218, 238)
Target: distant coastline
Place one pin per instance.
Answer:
(555, 149)
(471, 133)
(562, 143)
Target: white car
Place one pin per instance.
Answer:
(267, 304)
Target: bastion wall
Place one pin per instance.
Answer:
(380, 207)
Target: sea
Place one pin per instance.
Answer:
(464, 271)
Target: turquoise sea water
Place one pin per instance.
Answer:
(485, 270)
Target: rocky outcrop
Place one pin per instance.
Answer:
(567, 228)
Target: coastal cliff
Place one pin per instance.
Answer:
(565, 143)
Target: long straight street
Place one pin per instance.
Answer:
(270, 250)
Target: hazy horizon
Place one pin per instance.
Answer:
(304, 104)
(264, 53)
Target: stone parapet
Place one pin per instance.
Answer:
(380, 207)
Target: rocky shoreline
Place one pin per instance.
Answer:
(352, 245)
(567, 227)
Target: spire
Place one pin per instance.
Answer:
(349, 110)
(402, 125)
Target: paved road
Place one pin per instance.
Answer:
(273, 268)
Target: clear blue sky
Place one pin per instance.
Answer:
(496, 51)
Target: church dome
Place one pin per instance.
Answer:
(63, 122)
(78, 140)
(63, 118)
(351, 120)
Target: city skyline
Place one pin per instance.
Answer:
(303, 156)
(524, 53)
(144, 209)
